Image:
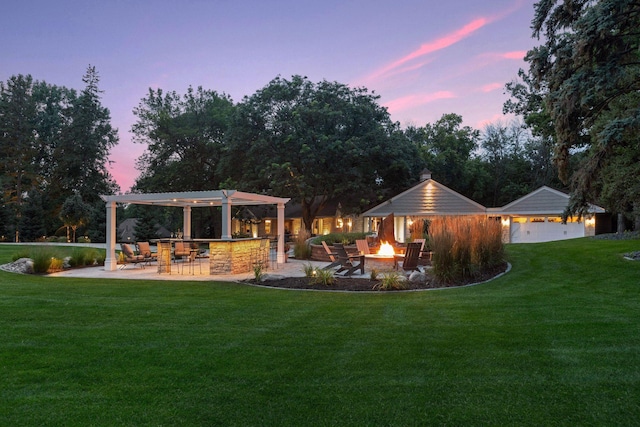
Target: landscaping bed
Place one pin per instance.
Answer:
(367, 284)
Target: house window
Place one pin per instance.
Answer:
(554, 219)
(267, 226)
(537, 219)
(519, 219)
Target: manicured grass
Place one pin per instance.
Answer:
(554, 342)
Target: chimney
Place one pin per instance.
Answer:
(425, 175)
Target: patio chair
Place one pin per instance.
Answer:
(410, 260)
(332, 256)
(363, 247)
(130, 257)
(191, 261)
(181, 250)
(144, 249)
(347, 261)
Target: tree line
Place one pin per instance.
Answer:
(321, 141)
(54, 145)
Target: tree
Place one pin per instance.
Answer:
(315, 142)
(184, 137)
(508, 170)
(32, 222)
(447, 149)
(74, 213)
(587, 72)
(80, 156)
(18, 143)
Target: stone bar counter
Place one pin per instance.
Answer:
(225, 256)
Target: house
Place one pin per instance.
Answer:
(535, 217)
(258, 221)
(127, 230)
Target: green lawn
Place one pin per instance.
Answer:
(554, 342)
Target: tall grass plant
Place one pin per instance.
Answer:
(463, 247)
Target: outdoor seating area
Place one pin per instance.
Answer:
(349, 260)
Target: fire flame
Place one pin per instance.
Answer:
(385, 249)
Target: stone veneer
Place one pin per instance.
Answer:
(233, 256)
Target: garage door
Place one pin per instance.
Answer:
(535, 230)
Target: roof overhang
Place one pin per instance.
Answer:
(196, 198)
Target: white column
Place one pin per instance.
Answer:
(226, 218)
(111, 260)
(280, 256)
(186, 222)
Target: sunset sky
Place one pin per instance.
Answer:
(424, 58)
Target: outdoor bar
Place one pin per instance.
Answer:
(226, 255)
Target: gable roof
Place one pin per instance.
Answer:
(428, 197)
(544, 200)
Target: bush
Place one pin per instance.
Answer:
(323, 277)
(463, 247)
(42, 258)
(391, 280)
(301, 249)
(344, 238)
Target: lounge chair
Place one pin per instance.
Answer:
(348, 262)
(410, 260)
(333, 257)
(130, 257)
(144, 249)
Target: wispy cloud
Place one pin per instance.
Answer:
(415, 100)
(491, 87)
(427, 48)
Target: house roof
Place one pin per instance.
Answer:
(543, 201)
(427, 198)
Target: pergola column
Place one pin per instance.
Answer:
(186, 222)
(111, 260)
(280, 254)
(226, 218)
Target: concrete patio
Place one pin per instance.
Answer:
(292, 268)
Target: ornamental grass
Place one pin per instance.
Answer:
(463, 247)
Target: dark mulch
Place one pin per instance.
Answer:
(364, 283)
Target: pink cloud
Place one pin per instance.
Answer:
(411, 101)
(518, 54)
(491, 87)
(430, 47)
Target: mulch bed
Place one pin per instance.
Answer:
(366, 284)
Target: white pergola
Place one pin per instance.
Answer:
(187, 200)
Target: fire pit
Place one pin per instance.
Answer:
(385, 259)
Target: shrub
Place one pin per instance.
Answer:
(323, 277)
(258, 273)
(22, 253)
(349, 238)
(391, 280)
(42, 258)
(55, 265)
(374, 274)
(309, 270)
(301, 249)
(465, 246)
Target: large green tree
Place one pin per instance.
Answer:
(447, 148)
(315, 142)
(54, 141)
(18, 144)
(588, 74)
(184, 136)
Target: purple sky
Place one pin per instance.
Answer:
(424, 57)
